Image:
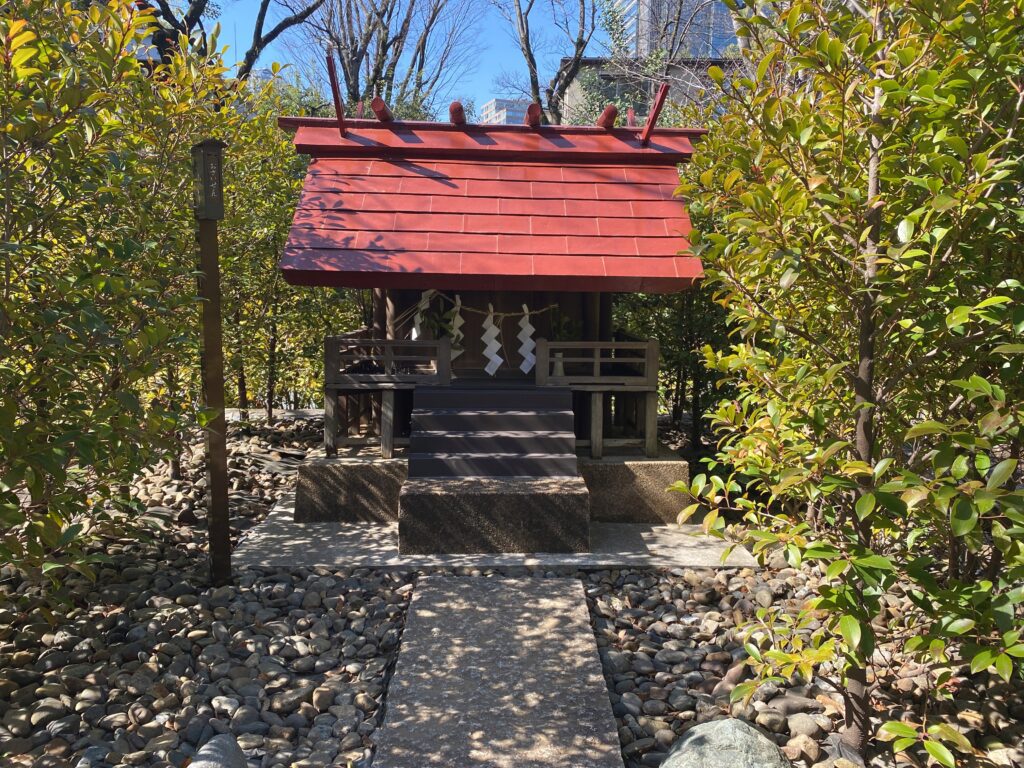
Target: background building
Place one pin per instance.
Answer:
(504, 111)
(693, 28)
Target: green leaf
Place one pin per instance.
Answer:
(1001, 473)
(940, 753)
(982, 660)
(1004, 666)
(905, 231)
(1009, 349)
(894, 728)
(865, 505)
(958, 316)
(926, 428)
(963, 516)
(851, 630)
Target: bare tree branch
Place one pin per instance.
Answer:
(405, 51)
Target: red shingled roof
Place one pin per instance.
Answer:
(427, 205)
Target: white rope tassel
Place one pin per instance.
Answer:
(527, 344)
(492, 345)
(421, 309)
(455, 327)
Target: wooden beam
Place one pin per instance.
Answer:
(533, 115)
(606, 119)
(339, 106)
(380, 109)
(654, 114)
(456, 113)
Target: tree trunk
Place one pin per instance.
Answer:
(696, 410)
(856, 727)
(243, 393)
(271, 369)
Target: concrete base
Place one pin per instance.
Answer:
(281, 542)
(474, 515)
(349, 489)
(626, 489)
(359, 489)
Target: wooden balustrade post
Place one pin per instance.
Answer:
(387, 423)
(331, 367)
(542, 367)
(596, 425)
(444, 361)
(651, 424)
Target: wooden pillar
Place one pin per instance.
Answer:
(591, 317)
(389, 313)
(354, 417)
(605, 322)
(651, 424)
(596, 425)
(387, 423)
(380, 313)
(330, 421)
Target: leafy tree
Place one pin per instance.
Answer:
(94, 158)
(860, 208)
(683, 323)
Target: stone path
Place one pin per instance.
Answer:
(498, 673)
(280, 541)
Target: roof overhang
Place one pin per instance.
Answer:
(481, 207)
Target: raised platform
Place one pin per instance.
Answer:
(365, 488)
(281, 542)
(493, 514)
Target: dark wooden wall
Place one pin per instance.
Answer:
(588, 313)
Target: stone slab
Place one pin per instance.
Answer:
(279, 541)
(498, 673)
(474, 515)
(634, 489)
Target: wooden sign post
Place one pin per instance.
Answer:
(207, 166)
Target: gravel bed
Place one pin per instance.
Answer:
(672, 655)
(144, 665)
(149, 662)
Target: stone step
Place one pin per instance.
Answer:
(484, 441)
(472, 420)
(465, 515)
(444, 465)
(498, 673)
(478, 398)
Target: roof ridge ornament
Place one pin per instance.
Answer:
(456, 113)
(339, 106)
(533, 115)
(654, 114)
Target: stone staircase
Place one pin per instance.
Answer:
(493, 470)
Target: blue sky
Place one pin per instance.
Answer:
(498, 52)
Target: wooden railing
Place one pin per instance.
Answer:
(367, 372)
(598, 365)
(624, 370)
(363, 363)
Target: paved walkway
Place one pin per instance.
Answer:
(498, 673)
(280, 541)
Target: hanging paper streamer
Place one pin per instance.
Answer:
(527, 344)
(492, 345)
(455, 327)
(421, 309)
